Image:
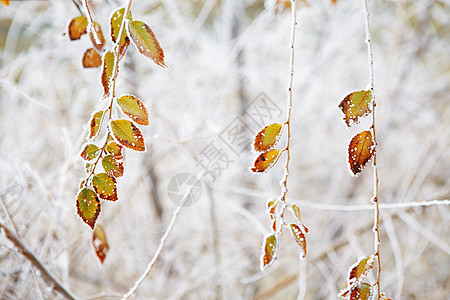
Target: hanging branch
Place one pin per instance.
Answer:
(49, 278)
(265, 142)
(375, 169)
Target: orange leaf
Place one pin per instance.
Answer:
(100, 243)
(77, 27)
(268, 137)
(107, 72)
(269, 254)
(360, 151)
(265, 161)
(6, 2)
(94, 124)
(101, 40)
(88, 206)
(91, 59)
(356, 105)
(299, 237)
(145, 41)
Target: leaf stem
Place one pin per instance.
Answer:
(112, 84)
(375, 169)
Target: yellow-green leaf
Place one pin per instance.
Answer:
(91, 59)
(268, 137)
(363, 292)
(100, 243)
(127, 134)
(299, 237)
(112, 166)
(90, 152)
(134, 108)
(355, 106)
(145, 41)
(115, 150)
(101, 39)
(88, 206)
(116, 22)
(107, 72)
(77, 27)
(265, 161)
(269, 251)
(360, 150)
(94, 124)
(105, 186)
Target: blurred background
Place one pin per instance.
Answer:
(229, 71)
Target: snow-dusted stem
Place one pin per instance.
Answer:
(289, 102)
(375, 169)
(112, 84)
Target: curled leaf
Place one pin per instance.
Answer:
(134, 108)
(267, 138)
(105, 186)
(359, 270)
(269, 251)
(100, 243)
(356, 105)
(88, 206)
(90, 152)
(91, 59)
(127, 134)
(265, 161)
(145, 41)
(360, 150)
(299, 237)
(107, 72)
(101, 40)
(94, 124)
(77, 27)
(116, 22)
(112, 166)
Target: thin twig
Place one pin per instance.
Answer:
(91, 27)
(375, 169)
(78, 6)
(289, 112)
(162, 242)
(48, 278)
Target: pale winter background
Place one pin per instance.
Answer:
(223, 55)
